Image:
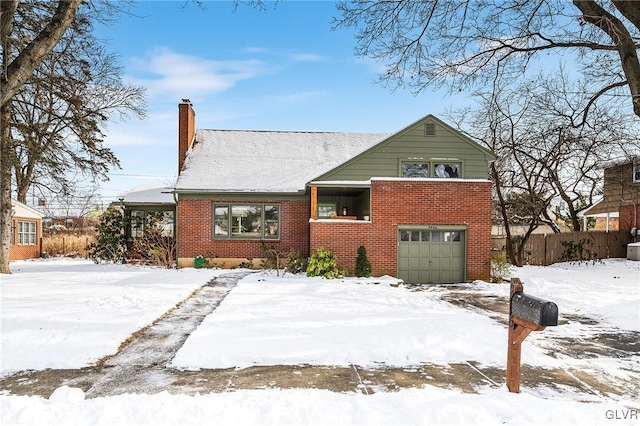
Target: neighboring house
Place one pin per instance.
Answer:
(621, 194)
(26, 232)
(419, 199)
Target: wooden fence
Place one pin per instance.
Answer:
(547, 249)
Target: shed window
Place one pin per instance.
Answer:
(26, 233)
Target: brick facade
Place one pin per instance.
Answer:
(195, 235)
(25, 251)
(410, 202)
(626, 220)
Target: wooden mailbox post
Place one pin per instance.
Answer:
(526, 314)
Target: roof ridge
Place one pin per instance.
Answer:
(295, 131)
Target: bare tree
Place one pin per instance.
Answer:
(462, 42)
(58, 113)
(17, 67)
(73, 202)
(545, 151)
(15, 71)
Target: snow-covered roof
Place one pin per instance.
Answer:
(150, 195)
(267, 161)
(22, 210)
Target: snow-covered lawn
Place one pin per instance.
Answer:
(70, 313)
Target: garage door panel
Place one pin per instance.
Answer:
(434, 256)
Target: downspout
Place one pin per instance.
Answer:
(635, 205)
(175, 223)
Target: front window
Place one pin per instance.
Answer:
(251, 221)
(26, 233)
(636, 172)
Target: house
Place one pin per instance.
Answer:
(418, 200)
(26, 232)
(621, 194)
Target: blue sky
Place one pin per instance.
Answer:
(283, 69)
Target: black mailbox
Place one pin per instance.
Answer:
(537, 311)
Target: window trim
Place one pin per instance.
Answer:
(432, 166)
(409, 161)
(263, 229)
(141, 222)
(30, 236)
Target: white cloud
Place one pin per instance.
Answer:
(177, 74)
(306, 57)
(373, 65)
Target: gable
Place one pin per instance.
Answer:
(428, 140)
(23, 211)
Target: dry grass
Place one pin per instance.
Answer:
(67, 245)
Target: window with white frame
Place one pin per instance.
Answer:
(26, 233)
(246, 221)
(636, 171)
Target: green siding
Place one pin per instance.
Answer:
(411, 143)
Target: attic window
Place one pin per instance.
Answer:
(414, 169)
(447, 170)
(430, 129)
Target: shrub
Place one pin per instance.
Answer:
(294, 262)
(111, 242)
(155, 247)
(271, 259)
(578, 252)
(323, 263)
(363, 266)
(500, 267)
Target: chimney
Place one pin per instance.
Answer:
(186, 130)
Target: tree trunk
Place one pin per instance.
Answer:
(6, 227)
(505, 218)
(21, 68)
(625, 44)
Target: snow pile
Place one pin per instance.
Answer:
(69, 313)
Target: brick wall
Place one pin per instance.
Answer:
(21, 252)
(404, 202)
(194, 231)
(626, 220)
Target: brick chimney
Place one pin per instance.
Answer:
(186, 130)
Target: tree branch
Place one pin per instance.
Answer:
(21, 68)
